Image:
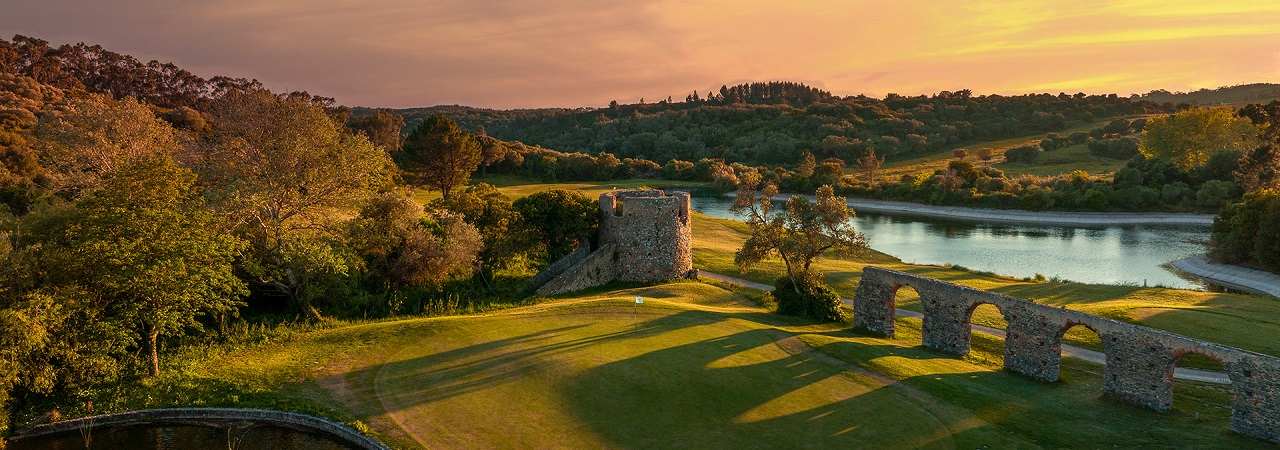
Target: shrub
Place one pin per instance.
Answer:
(815, 300)
(1214, 193)
(1119, 148)
(960, 153)
(1024, 154)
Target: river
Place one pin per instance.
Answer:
(1125, 255)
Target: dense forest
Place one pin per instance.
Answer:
(776, 123)
(1226, 95)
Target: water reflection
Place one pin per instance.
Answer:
(1107, 255)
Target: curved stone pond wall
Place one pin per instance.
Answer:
(207, 417)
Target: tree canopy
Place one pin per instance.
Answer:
(281, 171)
(440, 154)
(1189, 137)
(799, 234)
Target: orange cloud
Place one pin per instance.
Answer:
(503, 53)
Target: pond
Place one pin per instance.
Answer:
(1127, 255)
(192, 437)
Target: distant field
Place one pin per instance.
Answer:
(516, 187)
(1064, 160)
(1060, 161)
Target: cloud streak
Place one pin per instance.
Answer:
(506, 53)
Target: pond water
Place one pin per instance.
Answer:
(1132, 255)
(158, 437)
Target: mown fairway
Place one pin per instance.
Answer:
(699, 367)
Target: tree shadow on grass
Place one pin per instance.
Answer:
(692, 379)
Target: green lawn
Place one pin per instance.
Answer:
(1064, 160)
(695, 366)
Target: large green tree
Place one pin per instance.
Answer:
(1189, 137)
(284, 175)
(94, 135)
(556, 221)
(145, 254)
(407, 247)
(492, 213)
(440, 154)
(1260, 167)
(382, 128)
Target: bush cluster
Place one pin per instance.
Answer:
(813, 300)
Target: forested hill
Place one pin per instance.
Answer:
(771, 123)
(1227, 95)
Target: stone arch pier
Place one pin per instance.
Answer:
(1140, 360)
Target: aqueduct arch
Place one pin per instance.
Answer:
(1139, 360)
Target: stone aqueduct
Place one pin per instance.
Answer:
(645, 236)
(1140, 360)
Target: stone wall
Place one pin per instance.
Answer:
(559, 267)
(1140, 360)
(650, 232)
(644, 236)
(596, 269)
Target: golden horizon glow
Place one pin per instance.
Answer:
(504, 54)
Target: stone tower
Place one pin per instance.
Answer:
(644, 236)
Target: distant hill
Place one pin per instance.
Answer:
(777, 122)
(1226, 95)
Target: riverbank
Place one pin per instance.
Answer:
(1019, 216)
(1232, 277)
(1074, 218)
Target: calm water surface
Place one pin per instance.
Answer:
(1104, 255)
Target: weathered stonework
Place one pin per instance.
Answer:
(208, 417)
(644, 236)
(1140, 360)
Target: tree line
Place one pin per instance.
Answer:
(775, 123)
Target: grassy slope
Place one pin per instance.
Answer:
(1060, 161)
(697, 367)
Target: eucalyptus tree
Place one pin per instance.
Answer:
(283, 174)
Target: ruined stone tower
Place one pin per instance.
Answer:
(644, 236)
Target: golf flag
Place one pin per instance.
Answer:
(639, 300)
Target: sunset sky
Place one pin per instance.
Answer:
(508, 54)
